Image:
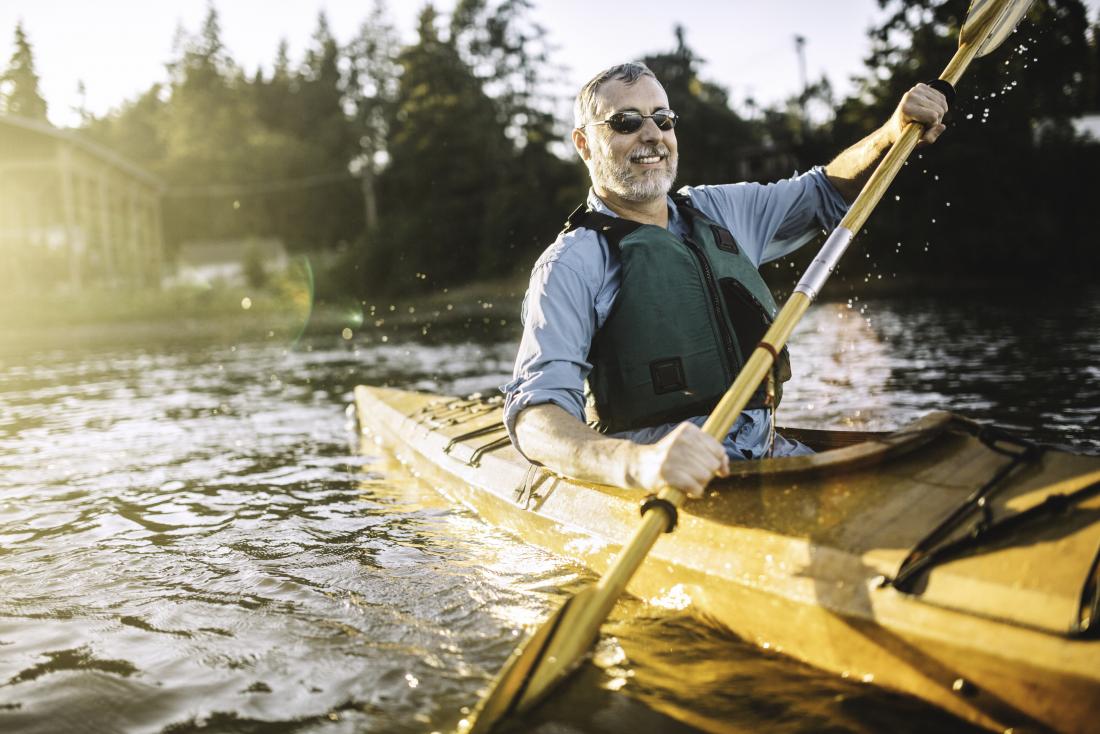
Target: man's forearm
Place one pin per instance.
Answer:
(557, 440)
(851, 169)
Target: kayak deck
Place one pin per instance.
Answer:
(797, 554)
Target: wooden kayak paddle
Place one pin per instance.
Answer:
(558, 646)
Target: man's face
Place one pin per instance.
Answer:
(638, 166)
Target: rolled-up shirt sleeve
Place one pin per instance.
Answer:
(559, 319)
(772, 220)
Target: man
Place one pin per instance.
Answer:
(656, 301)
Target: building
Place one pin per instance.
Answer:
(73, 213)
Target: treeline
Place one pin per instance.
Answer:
(423, 165)
(446, 160)
(1011, 189)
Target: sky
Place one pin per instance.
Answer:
(119, 48)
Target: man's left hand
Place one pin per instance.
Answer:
(924, 105)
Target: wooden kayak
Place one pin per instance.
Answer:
(947, 560)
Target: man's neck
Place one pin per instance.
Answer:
(653, 211)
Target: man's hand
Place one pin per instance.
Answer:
(921, 104)
(851, 169)
(685, 459)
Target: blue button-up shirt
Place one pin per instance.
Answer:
(574, 283)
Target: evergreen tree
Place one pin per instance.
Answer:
(508, 52)
(447, 150)
(205, 136)
(333, 212)
(371, 91)
(19, 94)
(136, 131)
(1005, 189)
(274, 98)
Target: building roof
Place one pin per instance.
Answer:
(95, 150)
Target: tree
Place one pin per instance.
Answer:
(1093, 101)
(1005, 190)
(371, 90)
(333, 213)
(507, 51)
(19, 93)
(447, 150)
(136, 130)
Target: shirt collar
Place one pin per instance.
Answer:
(676, 223)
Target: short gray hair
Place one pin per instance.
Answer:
(584, 107)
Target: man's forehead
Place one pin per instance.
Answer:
(646, 95)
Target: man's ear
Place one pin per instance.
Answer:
(580, 142)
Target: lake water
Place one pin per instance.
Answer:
(192, 540)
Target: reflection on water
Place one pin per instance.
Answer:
(875, 365)
(190, 538)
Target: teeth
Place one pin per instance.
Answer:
(649, 159)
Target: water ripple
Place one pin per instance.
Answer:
(189, 542)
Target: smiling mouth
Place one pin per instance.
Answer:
(649, 157)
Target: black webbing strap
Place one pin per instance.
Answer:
(1087, 623)
(928, 550)
(987, 532)
(943, 87)
(613, 228)
(653, 502)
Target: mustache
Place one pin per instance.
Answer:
(644, 151)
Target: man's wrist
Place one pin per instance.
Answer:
(626, 461)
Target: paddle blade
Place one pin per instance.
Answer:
(548, 657)
(989, 22)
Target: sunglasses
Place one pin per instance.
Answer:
(631, 121)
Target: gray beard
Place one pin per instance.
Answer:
(621, 181)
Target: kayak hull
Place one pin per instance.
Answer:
(794, 554)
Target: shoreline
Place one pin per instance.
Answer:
(239, 313)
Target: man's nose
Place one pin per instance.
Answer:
(650, 132)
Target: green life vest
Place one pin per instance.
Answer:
(688, 315)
